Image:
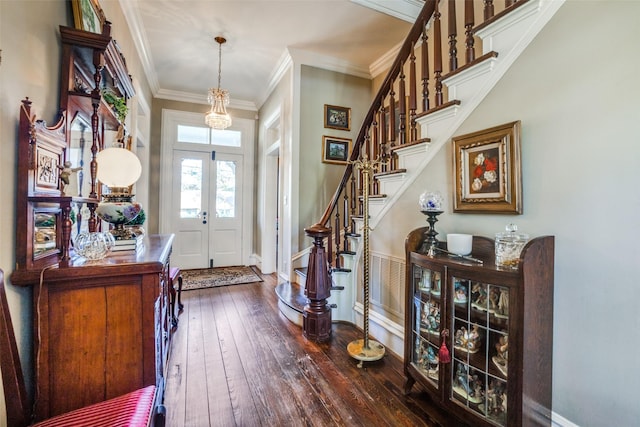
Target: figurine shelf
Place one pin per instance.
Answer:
(496, 325)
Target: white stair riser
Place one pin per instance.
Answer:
(343, 299)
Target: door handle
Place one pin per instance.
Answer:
(204, 217)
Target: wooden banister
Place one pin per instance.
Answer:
(391, 124)
(385, 88)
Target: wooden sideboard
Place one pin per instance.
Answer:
(101, 328)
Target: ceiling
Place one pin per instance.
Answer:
(175, 39)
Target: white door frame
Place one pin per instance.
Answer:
(170, 121)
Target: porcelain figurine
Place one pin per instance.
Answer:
(468, 341)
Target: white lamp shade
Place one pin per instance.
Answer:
(118, 167)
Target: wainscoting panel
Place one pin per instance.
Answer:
(386, 286)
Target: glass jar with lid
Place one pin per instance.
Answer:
(509, 244)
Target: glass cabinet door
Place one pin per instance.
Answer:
(426, 310)
(480, 348)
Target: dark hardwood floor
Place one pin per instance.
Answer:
(237, 361)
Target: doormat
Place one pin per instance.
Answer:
(219, 276)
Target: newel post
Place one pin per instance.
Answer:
(316, 320)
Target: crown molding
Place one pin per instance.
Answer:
(134, 22)
(328, 63)
(407, 10)
(194, 98)
(385, 62)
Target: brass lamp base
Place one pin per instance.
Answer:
(359, 351)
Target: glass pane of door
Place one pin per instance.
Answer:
(225, 189)
(190, 188)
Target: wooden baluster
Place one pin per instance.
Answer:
(468, 25)
(425, 70)
(353, 200)
(360, 192)
(437, 55)
(375, 185)
(375, 147)
(413, 132)
(329, 248)
(384, 155)
(488, 9)
(402, 115)
(508, 3)
(392, 118)
(345, 219)
(453, 32)
(337, 238)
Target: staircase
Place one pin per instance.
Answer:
(503, 36)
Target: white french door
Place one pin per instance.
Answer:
(206, 209)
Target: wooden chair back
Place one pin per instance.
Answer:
(15, 393)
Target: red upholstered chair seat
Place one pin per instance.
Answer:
(131, 409)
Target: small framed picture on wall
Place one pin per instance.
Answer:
(337, 117)
(336, 150)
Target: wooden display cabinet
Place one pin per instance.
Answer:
(497, 325)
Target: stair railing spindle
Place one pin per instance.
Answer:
(402, 111)
(413, 132)
(383, 137)
(337, 238)
(488, 9)
(345, 220)
(468, 25)
(437, 55)
(392, 118)
(425, 70)
(453, 33)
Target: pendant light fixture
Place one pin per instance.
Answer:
(217, 117)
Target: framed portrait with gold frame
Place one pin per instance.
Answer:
(335, 150)
(88, 15)
(487, 171)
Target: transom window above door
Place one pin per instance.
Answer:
(207, 136)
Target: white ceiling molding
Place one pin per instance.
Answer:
(328, 63)
(407, 10)
(140, 41)
(383, 63)
(174, 95)
(284, 63)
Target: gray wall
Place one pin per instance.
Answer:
(318, 180)
(576, 91)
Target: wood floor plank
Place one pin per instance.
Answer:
(176, 372)
(274, 340)
(262, 364)
(237, 361)
(245, 411)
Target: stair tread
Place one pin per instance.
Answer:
(375, 196)
(292, 294)
(410, 144)
(476, 61)
(347, 253)
(341, 270)
(393, 172)
(302, 271)
(439, 108)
